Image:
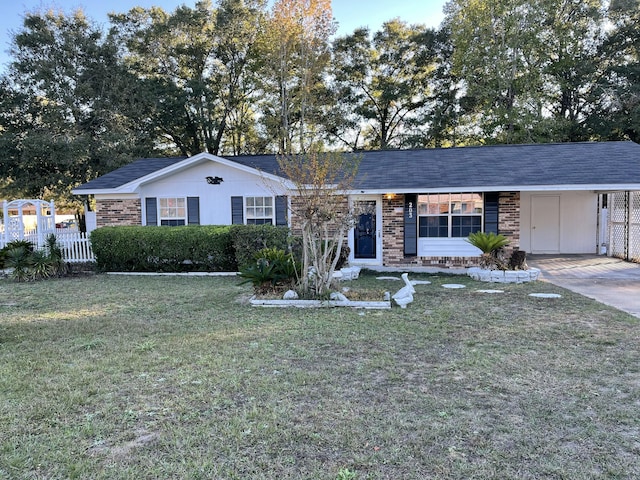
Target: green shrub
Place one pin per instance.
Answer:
(249, 239)
(181, 249)
(270, 269)
(491, 246)
(29, 264)
(163, 249)
(487, 242)
(27, 245)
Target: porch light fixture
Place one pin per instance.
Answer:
(389, 197)
(214, 180)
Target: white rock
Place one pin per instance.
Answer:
(497, 276)
(290, 295)
(545, 295)
(339, 297)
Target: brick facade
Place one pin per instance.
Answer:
(509, 219)
(118, 212)
(393, 231)
(341, 206)
(393, 234)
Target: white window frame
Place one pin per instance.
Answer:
(257, 213)
(453, 199)
(172, 213)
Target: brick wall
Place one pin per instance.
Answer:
(341, 206)
(509, 219)
(393, 234)
(393, 231)
(116, 212)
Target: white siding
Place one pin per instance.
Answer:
(578, 221)
(215, 200)
(446, 247)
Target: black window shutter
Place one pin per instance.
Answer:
(151, 208)
(193, 210)
(410, 225)
(281, 210)
(237, 207)
(491, 212)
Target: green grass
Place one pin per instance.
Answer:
(110, 377)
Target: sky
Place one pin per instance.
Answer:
(350, 14)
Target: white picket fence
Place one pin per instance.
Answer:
(75, 245)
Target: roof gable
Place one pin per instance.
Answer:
(128, 178)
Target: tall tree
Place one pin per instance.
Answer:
(573, 62)
(617, 109)
(60, 122)
(491, 57)
(239, 24)
(296, 51)
(529, 67)
(195, 65)
(381, 85)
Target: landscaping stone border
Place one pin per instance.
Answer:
(504, 276)
(261, 302)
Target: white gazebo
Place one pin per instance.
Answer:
(13, 227)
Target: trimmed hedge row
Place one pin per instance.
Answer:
(204, 248)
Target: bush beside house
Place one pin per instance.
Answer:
(201, 248)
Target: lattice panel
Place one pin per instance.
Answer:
(14, 228)
(619, 207)
(634, 227)
(618, 240)
(618, 225)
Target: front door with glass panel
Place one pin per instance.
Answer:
(365, 232)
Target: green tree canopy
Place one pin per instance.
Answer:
(60, 119)
(381, 86)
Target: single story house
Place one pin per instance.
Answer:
(546, 198)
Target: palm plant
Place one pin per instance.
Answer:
(19, 259)
(491, 246)
(29, 264)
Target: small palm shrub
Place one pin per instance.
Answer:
(29, 264)
(272, 269)
(27, 245)
(19, 259)
(491, 246)
(54, 255)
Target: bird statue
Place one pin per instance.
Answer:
(404, 296)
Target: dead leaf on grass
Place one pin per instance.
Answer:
(118, 451)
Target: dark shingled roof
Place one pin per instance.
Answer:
(132, 171)
(587, 163)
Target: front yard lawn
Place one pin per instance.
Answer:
(116, 377)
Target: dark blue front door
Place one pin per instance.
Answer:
(364, 235)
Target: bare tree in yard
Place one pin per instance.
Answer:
(320, 206)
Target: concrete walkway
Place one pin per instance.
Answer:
(608, 280)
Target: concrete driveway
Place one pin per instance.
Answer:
(608, 280)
